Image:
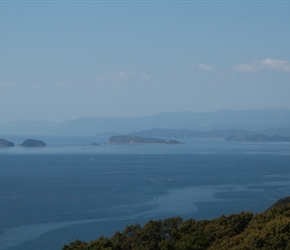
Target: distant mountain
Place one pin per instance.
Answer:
(258, 138)
(186, 133)
(229, 134)
(261, 119)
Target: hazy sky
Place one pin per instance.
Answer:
(70, 59)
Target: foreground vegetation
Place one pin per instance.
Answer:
(243, 231)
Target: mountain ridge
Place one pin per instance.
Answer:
(222, 119)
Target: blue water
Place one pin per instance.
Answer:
(70, 190)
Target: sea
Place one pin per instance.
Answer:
(72, 190)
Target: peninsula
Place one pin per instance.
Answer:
(129, 139)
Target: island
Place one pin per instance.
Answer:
(258, 138)
(33, 143)
(130, 139)
(6, 144)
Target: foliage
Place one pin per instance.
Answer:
(243, 231)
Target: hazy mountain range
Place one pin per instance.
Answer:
(270, 120)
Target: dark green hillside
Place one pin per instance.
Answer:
(244, 231)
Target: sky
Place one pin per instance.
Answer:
(69, 59)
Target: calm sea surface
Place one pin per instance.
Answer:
(71, 190)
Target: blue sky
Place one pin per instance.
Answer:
(68, 59)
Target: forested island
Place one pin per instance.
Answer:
(5, 144)
(130, 139)
(243, 231)
(27, 143)
(33, 143)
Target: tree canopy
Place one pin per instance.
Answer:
(243, 231)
